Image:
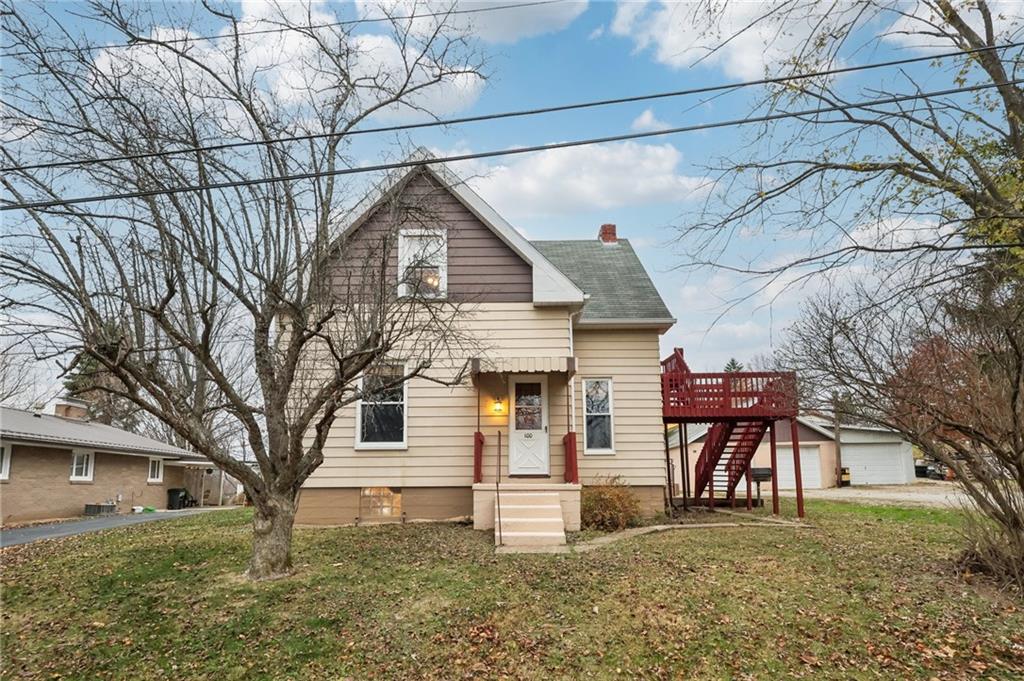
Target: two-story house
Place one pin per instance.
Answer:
(565, 390)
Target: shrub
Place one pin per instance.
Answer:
(994, 551)
(609, 505)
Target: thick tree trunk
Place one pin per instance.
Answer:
(272, 537)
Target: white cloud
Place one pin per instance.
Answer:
(647, 121)
(498, 26)
(596, 33)
(909, 29)
(901, 233)
(566, 181)
(749, 39)
(678, 38)
(294, 68)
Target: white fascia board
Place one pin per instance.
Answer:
(815, 427)
(663, 324)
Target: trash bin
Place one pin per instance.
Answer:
(176, 498)
(844, 477)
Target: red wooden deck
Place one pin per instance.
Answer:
(741, 408)
(689, 397)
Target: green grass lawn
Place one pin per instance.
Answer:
(869, 593)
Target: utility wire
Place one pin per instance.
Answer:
(511, 114)
(281, 29)
(29, 205)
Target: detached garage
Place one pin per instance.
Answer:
(874, 456)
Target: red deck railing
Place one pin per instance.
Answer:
(710, 397)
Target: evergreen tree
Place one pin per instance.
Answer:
(732, 366)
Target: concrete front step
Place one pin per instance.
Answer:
(526, 498)
(529, 519)
(529, 510)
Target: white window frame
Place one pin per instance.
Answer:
(5, 460)
(90, 465)
(394, 446)
(611, 415)
(160, 469)
(405, 257)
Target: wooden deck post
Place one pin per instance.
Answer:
(750, 503)
(795, 437)
(684, 461)
(669, 506)
(775, 471)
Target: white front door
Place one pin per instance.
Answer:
(528, 426)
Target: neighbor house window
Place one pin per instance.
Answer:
(81, 466)
(5, 461)
(156, 470)
(381, 413)
(423, 263)
(598, 433)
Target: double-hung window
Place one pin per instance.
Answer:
(423, 263)
(81, 466)
(156, 470)
(381, 413)
(5, 461)
(598, 430)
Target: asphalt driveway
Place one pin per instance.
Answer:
(26, 535)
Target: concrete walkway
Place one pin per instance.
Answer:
(605, 540)
(32, 533)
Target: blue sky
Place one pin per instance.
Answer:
(575, 51)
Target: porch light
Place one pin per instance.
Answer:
(498, 407)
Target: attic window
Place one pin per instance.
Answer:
(423, 263)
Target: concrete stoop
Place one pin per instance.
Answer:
(529, 519)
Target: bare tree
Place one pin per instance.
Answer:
(219, 301)
(918, 185)
(17, 378)
(945, 370)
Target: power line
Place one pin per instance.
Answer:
(511, 114)
(505, 152)
(263, 31)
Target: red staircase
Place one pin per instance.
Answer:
(726, 456)
(739, 407)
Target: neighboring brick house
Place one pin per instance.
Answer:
(52, 465)
(571, 364)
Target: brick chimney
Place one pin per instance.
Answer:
(607, 234)
(71, 409)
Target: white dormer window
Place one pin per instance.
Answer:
(423, 263)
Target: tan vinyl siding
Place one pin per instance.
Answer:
(631, 359)
(441, 420)
(481, 267)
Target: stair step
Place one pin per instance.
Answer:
(529, 519)
(525, 498)
(533, 538)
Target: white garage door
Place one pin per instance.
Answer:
(810, 467)
(878, 464)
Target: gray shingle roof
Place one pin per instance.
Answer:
(612, 275)
(25, 426)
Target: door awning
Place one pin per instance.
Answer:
(523, 365)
